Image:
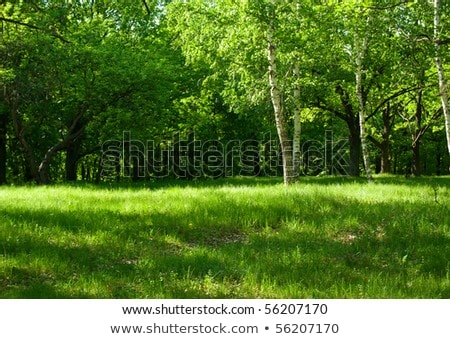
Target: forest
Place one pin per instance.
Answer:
(224, 149)
(137, 90)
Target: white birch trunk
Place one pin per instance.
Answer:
(443, 86)
(277, 102)
(297, 123)
(361, 48)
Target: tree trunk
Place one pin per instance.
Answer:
(73, 148)
(361, 48)
(417, 135)
(416, 166)
(3, 154)
(384, 145)
(43, 175)
(297, 123)
(98, 173)
(355, 147)
(277, 102)
(3, 157)
(385, 157)
(83, 172)
(44, 166)
(352, 121)
(28, 152)
(72, 162)
(438, 159)
(441, 73)
(41, 172)
(385, 150)
(385, 142)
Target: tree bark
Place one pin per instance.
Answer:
(361, 48)
(416, 136)
(72, 162)
(297, 124)
(4, 120)
(385, 142)
(355, 148)
(438, 159)
(19, 130)
(277, 102)
(43, 175)
(3, 153)
(441, 73)
(416, 166)
(41, 172)
(352, 121)
(384, 145)
(385, 157)
(73, 146)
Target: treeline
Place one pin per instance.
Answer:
(102, 90)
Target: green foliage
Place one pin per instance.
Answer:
(166, 67)
(78, 75)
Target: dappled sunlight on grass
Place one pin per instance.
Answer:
(321, 238)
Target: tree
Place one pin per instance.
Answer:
(77, 74)
(418, 109)
(360, 51)
(443, 85)
(79, 65)
(5, 77)
(277, 99)
(249, 45)
(3, 152)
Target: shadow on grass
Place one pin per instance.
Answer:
(157, 184)
(328, 247)
(252, 181)
(266, 181)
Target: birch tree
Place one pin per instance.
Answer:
(296, 143)
(245, 43)
(360, 53)
(277, 100)
(443, 85)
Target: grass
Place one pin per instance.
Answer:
(234, 238)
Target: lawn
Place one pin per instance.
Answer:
(229, 238)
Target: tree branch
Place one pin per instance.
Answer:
(345, 101)
(331, 110)
(19, 23)
(19, 129)
(374, 141)
(146, 7)
(426, 38)
(89, 152)
(31, 26)
(393, 96)
(382, 8)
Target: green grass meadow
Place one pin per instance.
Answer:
(229, 238)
